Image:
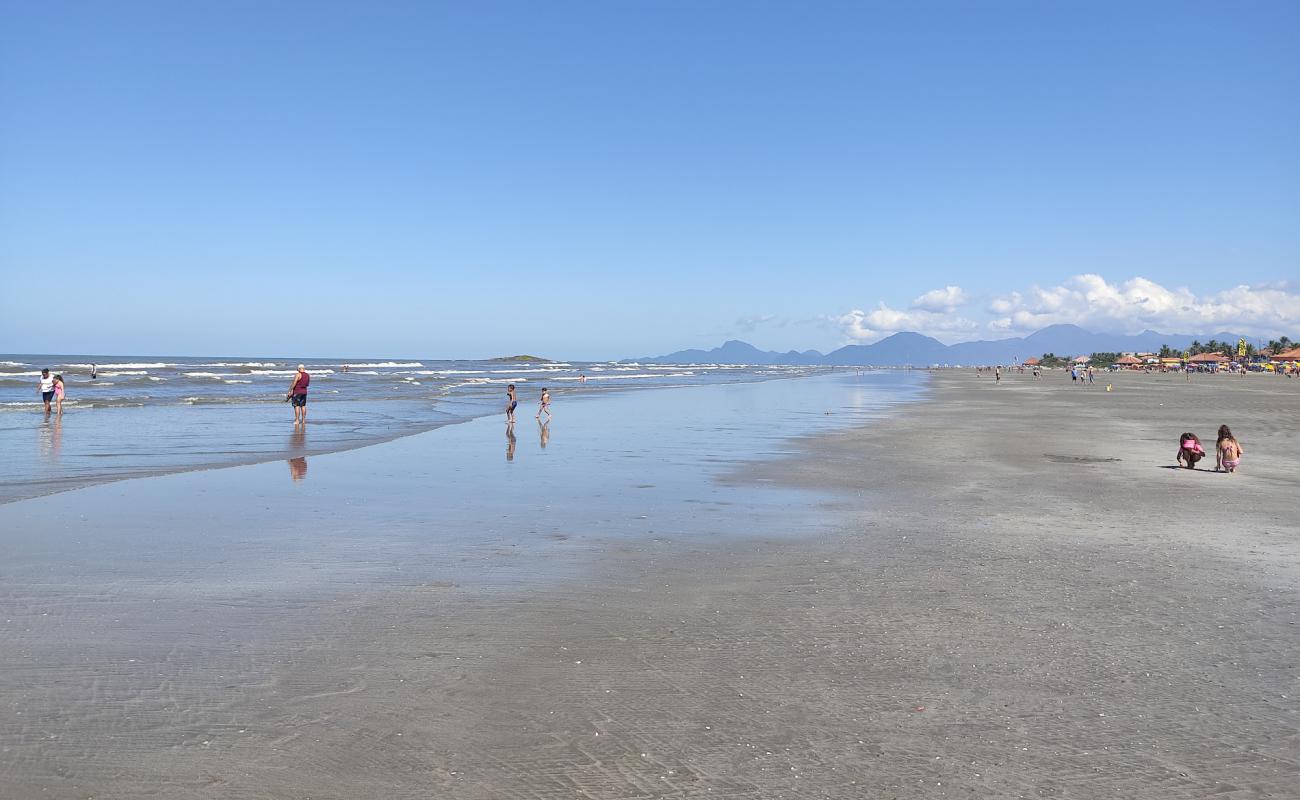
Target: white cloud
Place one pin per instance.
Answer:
(865, 326)
(753, 321)
(947, 299)
(1137, 304)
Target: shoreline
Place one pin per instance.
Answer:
(987, 620)
(383, 420)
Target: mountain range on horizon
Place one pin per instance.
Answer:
(914, 349)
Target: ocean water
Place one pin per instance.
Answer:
(147, 415)
(476, 503)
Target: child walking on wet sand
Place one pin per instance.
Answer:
(545, 407)
(1229, 450)
(511, 402)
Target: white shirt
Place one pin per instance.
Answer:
(47, 384)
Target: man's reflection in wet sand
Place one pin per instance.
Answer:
(297, 442)
(510, 442)
(51, 437)
(544, 433)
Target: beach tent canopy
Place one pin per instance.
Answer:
(1128, 361)
(1208, 358)
(1082, 359)
(1031, 362)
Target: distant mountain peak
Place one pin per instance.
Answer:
(909, 348)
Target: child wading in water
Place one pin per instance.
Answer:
(545, 407)
(1229, 450)
(510, 404)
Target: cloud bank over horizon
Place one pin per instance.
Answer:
(951, 314)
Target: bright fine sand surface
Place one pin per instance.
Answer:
(793, 589)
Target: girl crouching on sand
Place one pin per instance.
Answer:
(1229, 450)
(1189, 450)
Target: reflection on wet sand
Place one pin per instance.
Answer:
(51, 437)
(298, 441)
(510, 442)
(544, 433)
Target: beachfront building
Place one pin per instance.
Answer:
(1128, 362)
(1287, 362)
(1208, 361)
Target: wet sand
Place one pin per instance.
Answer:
(1017, 598)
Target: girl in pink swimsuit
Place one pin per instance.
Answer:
(1189, 450)
(1229, 450)
(58, 394)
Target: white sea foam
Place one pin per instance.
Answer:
(625, 377)
(102, 367)
(119, 373)
(209, 374)
(384, 364)
(447, 372)
(13, 363)
(289, 371)
(230, 381)
(240, 364)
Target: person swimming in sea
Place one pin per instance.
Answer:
(511, 403)
(545, 407)
(1228, 450)
(1189, 450)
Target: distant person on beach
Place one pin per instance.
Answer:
(298, 394)
(1189, 450)
(1229, 450)
(47, 389)
(582, 378)
(997, 374)
(545, 407)
(93, 372)
(1074, 374)
(1091, 373)
(512, 401)
(58, 394)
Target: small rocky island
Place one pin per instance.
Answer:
(534, 359)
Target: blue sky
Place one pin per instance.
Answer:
(595, 180)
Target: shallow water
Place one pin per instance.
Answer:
(458, 503)
(150, 415)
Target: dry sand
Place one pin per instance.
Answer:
(1023, 601)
